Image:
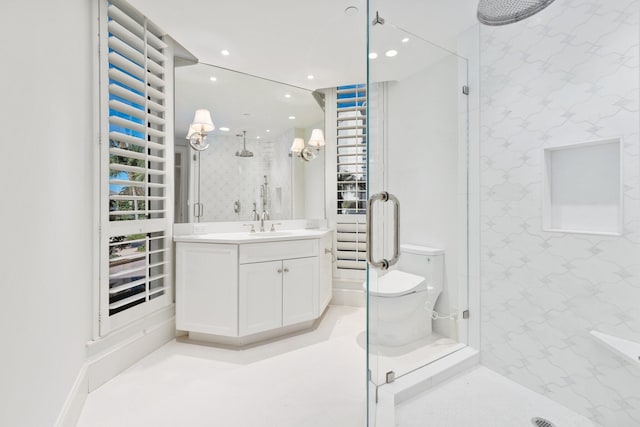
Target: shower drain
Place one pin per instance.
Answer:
(541, 422)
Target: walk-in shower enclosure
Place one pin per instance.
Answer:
(540, 165)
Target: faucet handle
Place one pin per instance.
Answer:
(253, 228)
(273, 224)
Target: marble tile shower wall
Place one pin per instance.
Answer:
(226, 178)
(567, 75)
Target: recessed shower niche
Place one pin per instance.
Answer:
(583, 188)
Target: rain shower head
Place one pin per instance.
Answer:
(503, 12)
(244, 152)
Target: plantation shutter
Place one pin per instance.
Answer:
(135, 230)
(351, 156)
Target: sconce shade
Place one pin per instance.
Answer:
(192, 129)
(202, 121)
(297, 146)
(317, 139)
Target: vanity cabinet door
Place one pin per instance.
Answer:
(206, 288)
(260, 294)
(300, 290)
(326, 273)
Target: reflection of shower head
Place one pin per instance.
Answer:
(502, 12)
(244, 152)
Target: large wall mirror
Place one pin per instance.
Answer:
(251, 115)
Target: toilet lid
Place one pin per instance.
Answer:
(394, 283)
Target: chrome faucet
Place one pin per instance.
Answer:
(254, 213)
(264, 215)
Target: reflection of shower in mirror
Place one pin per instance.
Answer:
(264, 197)
(233, 167)
(244, 152)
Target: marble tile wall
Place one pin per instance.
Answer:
(567, 75)
(226, 178)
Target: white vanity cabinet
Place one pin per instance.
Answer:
(237, 293)
(277, 293)
(278, 284)
(299, 290)
(260, 297)
(206, 291)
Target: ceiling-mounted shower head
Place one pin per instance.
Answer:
(503, 12)
(244, 152)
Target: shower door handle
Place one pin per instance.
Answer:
(198, 210)
(383, 264)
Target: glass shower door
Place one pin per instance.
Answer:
(417, 206)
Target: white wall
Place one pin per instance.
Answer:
(423, 164)
(567, 75)
(46, 117)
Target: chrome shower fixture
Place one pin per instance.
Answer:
(244, 152)
(503, 12)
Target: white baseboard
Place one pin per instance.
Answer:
(74, 402)
(348, 297)
(105, 365)
(108, 364)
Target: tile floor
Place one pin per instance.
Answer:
(483, 398)
(272, 385)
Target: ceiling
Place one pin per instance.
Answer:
(240, 102)
(287, 40)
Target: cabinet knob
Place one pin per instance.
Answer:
(286, 270)
(279, 270)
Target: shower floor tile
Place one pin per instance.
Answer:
(483, 398)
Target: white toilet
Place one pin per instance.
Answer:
(401, 301)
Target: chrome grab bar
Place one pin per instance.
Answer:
(383, 264)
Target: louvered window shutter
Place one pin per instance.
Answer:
(135, 234)
(351, 145)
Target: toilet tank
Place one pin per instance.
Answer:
(423, 261)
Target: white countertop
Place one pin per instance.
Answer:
(257, 237)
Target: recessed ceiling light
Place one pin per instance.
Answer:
(258, 137)
(268, 130)
(406, 39)
(310, 77)
(373, 55)
(287, 95)
(213, 79)
(223, 129)
(292, 117)
(391, 53)
(225, 52)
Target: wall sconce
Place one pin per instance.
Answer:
(197, 134)
(317, 139)
(297, 146)
(306, 153)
